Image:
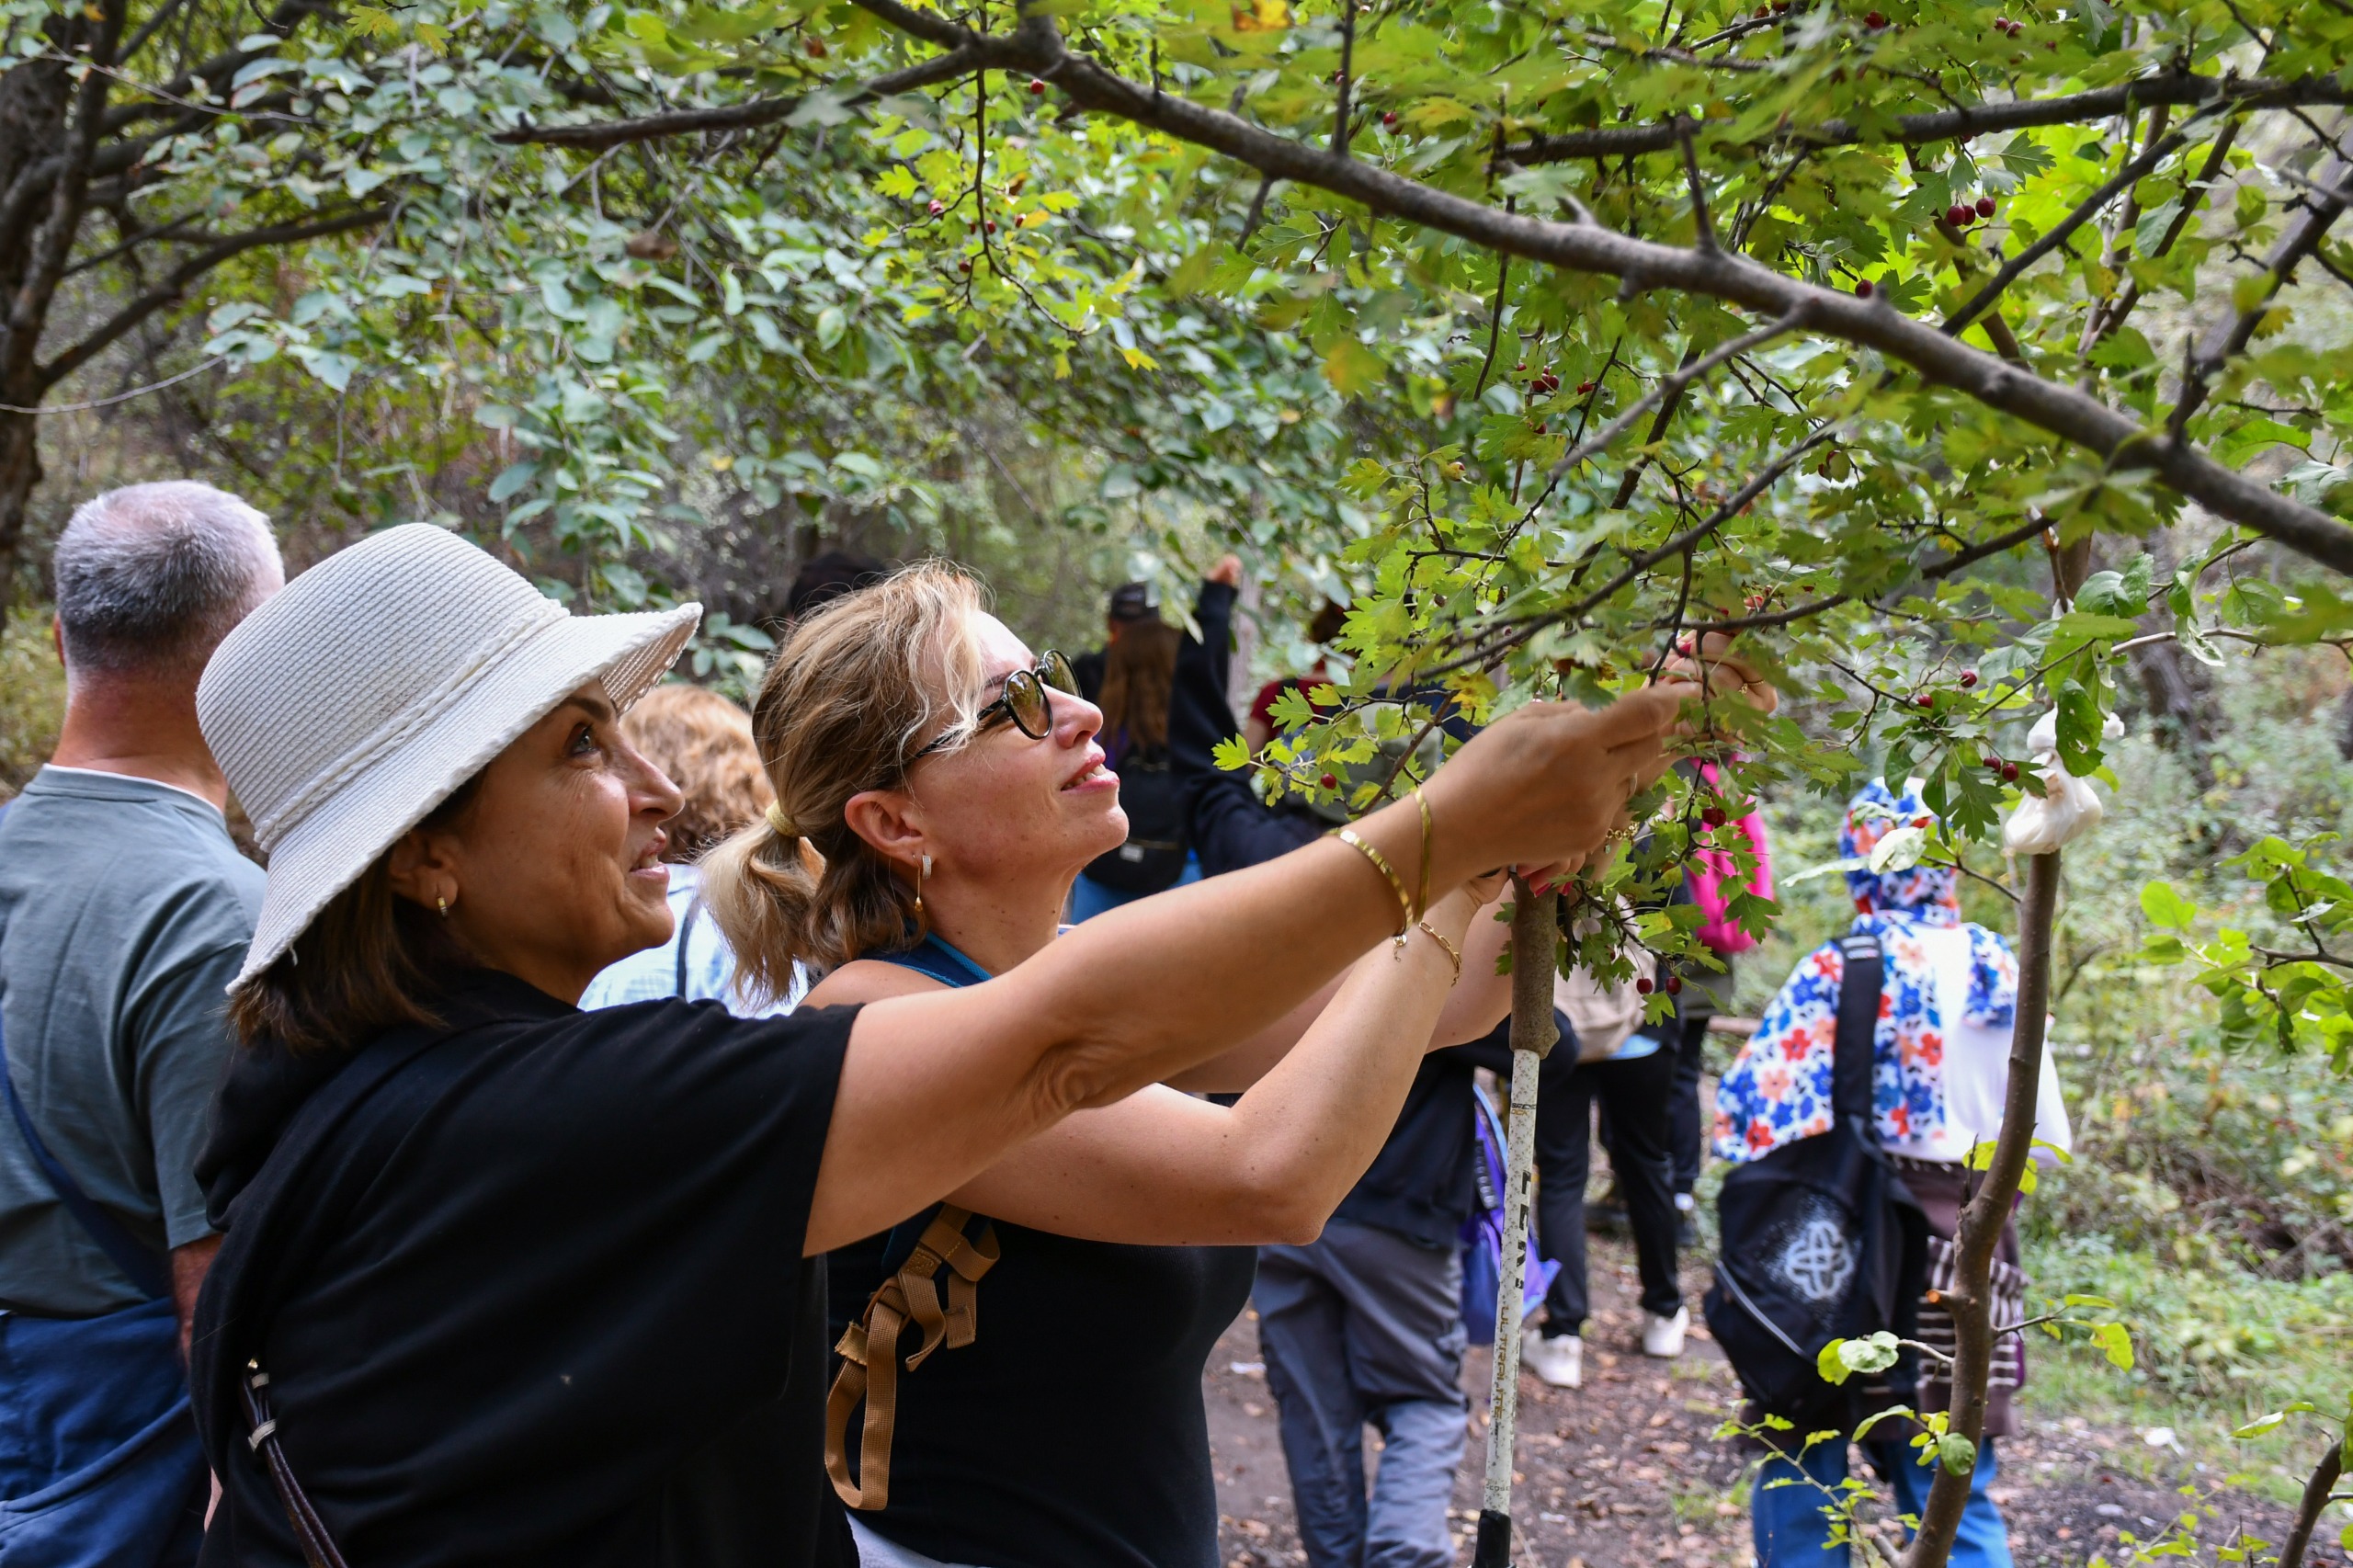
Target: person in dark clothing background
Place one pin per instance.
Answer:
(1364, 1324)
(1129, 603)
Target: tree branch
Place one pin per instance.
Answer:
(2124, 179)
(1673, 385)
(174, 283)
(2232, 337)
(1961, 124)
(1036, 46)
(2315, 1503)
(598, 136)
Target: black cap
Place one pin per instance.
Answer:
(825, 578)
(1129, 602)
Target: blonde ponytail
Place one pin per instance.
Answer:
(856, 689)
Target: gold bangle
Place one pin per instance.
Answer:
(1421, 893)
(1452, 951)
(1405, 902)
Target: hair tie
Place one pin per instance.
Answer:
(780, 823)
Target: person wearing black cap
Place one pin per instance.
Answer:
(1129, 603)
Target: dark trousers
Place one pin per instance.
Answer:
(1686, 1133)
(1364, 1326)
(1634, 1095)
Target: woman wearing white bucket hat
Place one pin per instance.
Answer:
(507, 1282)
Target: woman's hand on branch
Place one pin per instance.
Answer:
(1543, 788)
(1713, 666)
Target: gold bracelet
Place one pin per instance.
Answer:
(1405, 901)
(1422, 894)
(1452, 951)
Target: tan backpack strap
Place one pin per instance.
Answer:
(869, 1348)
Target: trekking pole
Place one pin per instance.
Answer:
(1535, 933)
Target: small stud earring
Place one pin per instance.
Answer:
(444, 905)
(923, 869)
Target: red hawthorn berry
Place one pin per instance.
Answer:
(1873, 20)
(1924, 700)
(1551, 382)
(1584, 387)
(1674, 985)
(1764, 11)
(1863, 289)
(938, 207)
(1540, 428)
(1959, 216)
(2001, 24)
(1968, 679)
(1984, 207)
(1715, 816)
(816, 49)
(1389, 120)
(1037, 89)
(1644, 987)
(1519, 368)
(992, 225)
(1329, 782)
(1780, 7)
(964, 264)
(1993, 763)
(2010, 773)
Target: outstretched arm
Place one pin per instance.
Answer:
(1163, 1169)
(934, 1089)
(1472, 1009)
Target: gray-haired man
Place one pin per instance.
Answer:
(124, 912)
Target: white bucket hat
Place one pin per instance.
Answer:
(349, 707)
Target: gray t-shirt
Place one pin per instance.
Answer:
(125, 910)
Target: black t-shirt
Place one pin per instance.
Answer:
(1070, 1433)
(528, 1288)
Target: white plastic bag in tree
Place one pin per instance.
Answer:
(2066, 806)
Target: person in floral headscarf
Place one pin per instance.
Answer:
(1940, 1072)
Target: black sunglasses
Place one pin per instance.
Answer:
(1025, 704)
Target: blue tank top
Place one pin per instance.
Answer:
(1071, 1430)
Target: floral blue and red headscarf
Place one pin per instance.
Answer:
(1930, 894)
(1778, 1089)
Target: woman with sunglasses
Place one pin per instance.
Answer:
(1026, 1389)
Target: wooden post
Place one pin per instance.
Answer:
(1535, 937)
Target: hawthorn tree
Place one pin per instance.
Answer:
(1876, 339)
(1798, 321)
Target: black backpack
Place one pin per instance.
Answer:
(1822, 1240)
(1153, 855)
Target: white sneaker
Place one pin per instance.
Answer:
(1664, 1337)
(1559, 1361)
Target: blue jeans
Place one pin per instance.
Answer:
(1365, 1327)
(99, 1463)
(1089, 898)
(1786, 1524)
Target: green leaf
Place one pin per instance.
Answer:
(1841, 1358)
(2116, 1340)
(1351, 367)
(1956, 1453)
(2080, 721)
(2167, 908)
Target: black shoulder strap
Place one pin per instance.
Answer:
(1851, 1099)
(147, 1271)
(685, 935)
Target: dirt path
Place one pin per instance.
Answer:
(1627, 1473)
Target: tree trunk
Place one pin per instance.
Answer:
(1971, 1298)
(2316, 1503)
